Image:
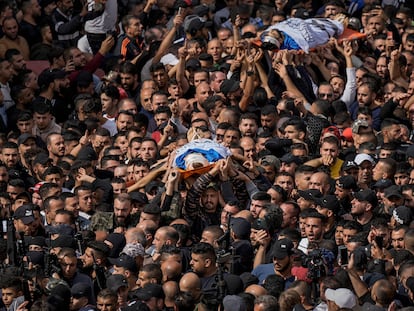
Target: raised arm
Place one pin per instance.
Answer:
(180, 74)
(169, 38)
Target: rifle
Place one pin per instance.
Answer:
(26, 293)
(51, 262)
(17, 250)
(79, 238)
(11, 241)
(99, 273)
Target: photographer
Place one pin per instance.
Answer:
(282, 263)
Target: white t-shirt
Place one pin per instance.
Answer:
(105, 22)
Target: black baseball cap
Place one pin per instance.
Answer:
(25, 214)
(282, 248)
(367, 195)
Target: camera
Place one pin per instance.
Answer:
(315, 263)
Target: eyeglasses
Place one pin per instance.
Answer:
(327, 95)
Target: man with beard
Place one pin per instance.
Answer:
(129, 80)
(10, 155)
(365, 174)
(124, 121)
(258, 202)
(366, 97)
(122, 211)
(344, 186)
(203, 263)
(201, 208)
(96, 253)
(268, 119)
(17, 61)
(55, 146)
(248, 124)
(397, 237)
(363, 206)
(281, 265)
(11, 158)
(203, 91)
(391, 131)
(11, 39)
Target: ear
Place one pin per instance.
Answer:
(207, 263)
(127, 274)
(302, 135)
(330, 213)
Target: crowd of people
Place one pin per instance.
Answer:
(232, 155)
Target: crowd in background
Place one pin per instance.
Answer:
(313, 210)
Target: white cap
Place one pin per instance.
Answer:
(363, 157)
(342, 297)
(169, 59)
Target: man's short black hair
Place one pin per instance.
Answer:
(261, 196)
(101, 249)
(353, 225)
(157, 66)
(204, 249)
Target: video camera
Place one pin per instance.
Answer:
(315, 263)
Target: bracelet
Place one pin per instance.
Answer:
(250, 73)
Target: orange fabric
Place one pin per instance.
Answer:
(350, 34)
(199, 171)
(124, 46)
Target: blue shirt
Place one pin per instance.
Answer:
(263, 271)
